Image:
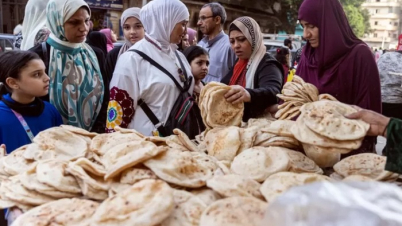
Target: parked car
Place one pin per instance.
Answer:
(6, 42)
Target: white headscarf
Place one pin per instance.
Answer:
(250, 28)
(34, 20)
(159, 18)
(130, 12)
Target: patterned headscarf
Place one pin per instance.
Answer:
(76, 84)
(251, 30)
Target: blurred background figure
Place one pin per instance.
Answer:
(282, 55)
(192, 36)
(110, 37)
(133, 32)
(35, 24)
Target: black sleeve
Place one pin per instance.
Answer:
(226, 79)
(100, 122)
(111, 60)
(269, 85)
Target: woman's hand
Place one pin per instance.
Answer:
(378, 123)
(237, 94)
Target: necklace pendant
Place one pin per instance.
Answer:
(181, 75)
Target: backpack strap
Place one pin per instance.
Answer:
(45, 57)
(155, 64)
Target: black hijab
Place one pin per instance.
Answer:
(97, 39)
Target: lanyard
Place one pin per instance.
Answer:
(24, 124)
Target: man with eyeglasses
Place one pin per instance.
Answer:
(210, 22)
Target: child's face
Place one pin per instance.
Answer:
(199, 67)
(32, 82)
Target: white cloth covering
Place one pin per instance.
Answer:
(34, 20)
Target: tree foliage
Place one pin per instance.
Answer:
(358, 17)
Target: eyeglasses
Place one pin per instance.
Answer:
(203, 18)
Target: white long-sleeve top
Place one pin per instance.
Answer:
(135, 78)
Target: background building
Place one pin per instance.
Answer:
(385, 23)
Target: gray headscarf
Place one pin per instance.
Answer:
(130, 12)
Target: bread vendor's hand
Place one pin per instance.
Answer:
(237, 94)
(13, 214)
(378, 123)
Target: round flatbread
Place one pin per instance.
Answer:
(53, 173)
(148, 202)
(235, 185)
(30, 181)
(103, 143)
(223, 143)
(64, 144)
(186, 169)
(258, 163)
(61, 212)
(221, 112)
(327, 118)
(127, 155)
(321, 156)
(15, 163)
(280, 128)
(369, 165)
(281, 182)
(302, 133)
(187, 211)
(234, 211)
(207, 196)
(135, 174)
(299, 163)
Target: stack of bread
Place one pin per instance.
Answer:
(71, 177)
(326, 133)
(216, 111)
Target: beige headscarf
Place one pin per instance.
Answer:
(130, 12)
(250, 28)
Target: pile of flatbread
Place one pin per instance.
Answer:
(215, 110)
(363, 167)
(295, 94)
(325, 132)
(124, 178)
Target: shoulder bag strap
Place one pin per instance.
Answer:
(155, 64)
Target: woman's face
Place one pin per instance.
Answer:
(240, 45)
(199, 67)
(133, 30)
(185, 42)
(178, 32)
(311, 33)
(76, 28)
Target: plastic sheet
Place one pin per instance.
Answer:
(337, 204)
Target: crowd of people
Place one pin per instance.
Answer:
(69, 74)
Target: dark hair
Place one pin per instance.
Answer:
(217, 10)
(281, 55)
(287, 42)
(12, 62)
(233, 27)
(193, 52)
